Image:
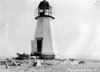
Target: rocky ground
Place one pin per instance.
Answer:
(55, 66)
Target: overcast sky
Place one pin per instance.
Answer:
(75, 30)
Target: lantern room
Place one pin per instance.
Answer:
(44, 10)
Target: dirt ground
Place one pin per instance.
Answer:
(55, 66)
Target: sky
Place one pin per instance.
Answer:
(75, 30)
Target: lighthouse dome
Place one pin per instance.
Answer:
(44, 5)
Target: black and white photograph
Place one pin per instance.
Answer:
(49, 35)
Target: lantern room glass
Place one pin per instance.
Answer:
(47, 12)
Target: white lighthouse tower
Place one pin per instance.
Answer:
(42, 45)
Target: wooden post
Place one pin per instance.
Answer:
(14, 62)
(6, 64)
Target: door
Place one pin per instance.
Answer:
(39, 44)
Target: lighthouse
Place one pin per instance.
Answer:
(42, 45)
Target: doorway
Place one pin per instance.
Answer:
(39, 44)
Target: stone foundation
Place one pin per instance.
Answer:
(43, 56)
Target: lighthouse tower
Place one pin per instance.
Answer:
(42, 44)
